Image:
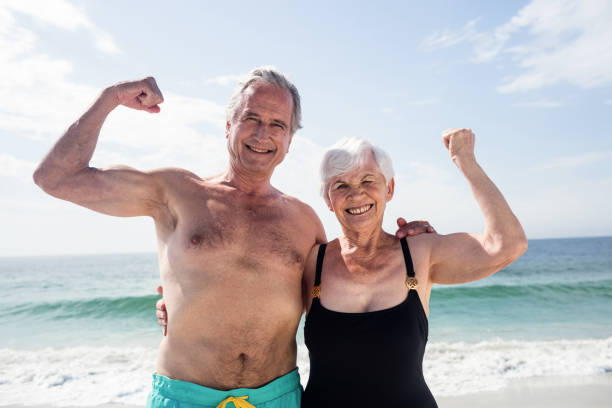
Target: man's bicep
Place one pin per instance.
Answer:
(118, 190)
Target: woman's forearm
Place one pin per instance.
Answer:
(503, 231)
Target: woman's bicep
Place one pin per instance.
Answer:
(463, 257)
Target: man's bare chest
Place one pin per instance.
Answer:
(249, 235)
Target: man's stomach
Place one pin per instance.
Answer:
(226, 341)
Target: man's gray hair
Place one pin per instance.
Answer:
(270, 75)
(348, 154)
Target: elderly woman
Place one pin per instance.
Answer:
(367, 292)
(366, 326)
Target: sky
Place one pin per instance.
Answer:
(533, 79)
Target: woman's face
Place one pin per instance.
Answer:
(358, 197)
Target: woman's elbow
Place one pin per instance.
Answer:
(516, 247)
(506, 249)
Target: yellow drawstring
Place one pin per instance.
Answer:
(239, 402)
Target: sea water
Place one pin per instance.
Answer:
(81, 330)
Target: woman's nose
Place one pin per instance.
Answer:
(355, 191)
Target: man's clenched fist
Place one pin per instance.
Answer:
(142, 95)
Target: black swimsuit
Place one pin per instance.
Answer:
(371, 359)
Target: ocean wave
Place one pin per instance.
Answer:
(101, 307)
(144, 306)
(598, 288)
(88, 376)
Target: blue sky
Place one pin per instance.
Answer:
(532, 79)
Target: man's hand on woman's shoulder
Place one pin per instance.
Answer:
(412, 228)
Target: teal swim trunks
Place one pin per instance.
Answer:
(283, 392)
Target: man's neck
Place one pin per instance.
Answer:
(248, 183)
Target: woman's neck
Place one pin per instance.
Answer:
(363, 245)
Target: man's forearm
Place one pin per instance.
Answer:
(73, 151)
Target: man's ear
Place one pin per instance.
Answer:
(290, 140)
(390, 189)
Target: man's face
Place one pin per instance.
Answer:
(259, 134)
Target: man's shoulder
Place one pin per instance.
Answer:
(174, 174)
(306, 217)
(298, 205)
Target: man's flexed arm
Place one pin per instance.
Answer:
(65, 172)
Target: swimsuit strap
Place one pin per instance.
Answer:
(316, 290)
(411, 281)
(407, 258)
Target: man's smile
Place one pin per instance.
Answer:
(258, 150)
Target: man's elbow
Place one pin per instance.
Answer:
(39, 178)
(45, 181)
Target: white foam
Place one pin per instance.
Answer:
(87, 376)
(76, 376)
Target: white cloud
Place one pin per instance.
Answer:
(578, 160)
(37, 95)
(562, 209)
(568, 41)
(447, 38)
(11, 166)
(541, 103)
(40, 99)
(423, 102)
(175, 125)
(61, 14)
(13, 40)
(225, 80)
(608, 102)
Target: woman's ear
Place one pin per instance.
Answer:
(390, 189)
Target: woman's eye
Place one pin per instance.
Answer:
(339, 186)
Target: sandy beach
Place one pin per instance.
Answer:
(543, 392)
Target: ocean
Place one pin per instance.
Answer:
(81, 330)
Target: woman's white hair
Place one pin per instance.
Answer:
(347, 154)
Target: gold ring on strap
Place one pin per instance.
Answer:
(411, 283)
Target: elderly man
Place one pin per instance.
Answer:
(231, 247)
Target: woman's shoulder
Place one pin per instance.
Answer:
(420, 248)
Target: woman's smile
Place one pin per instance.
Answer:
(359, 210)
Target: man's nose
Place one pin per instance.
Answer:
(261, 132)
